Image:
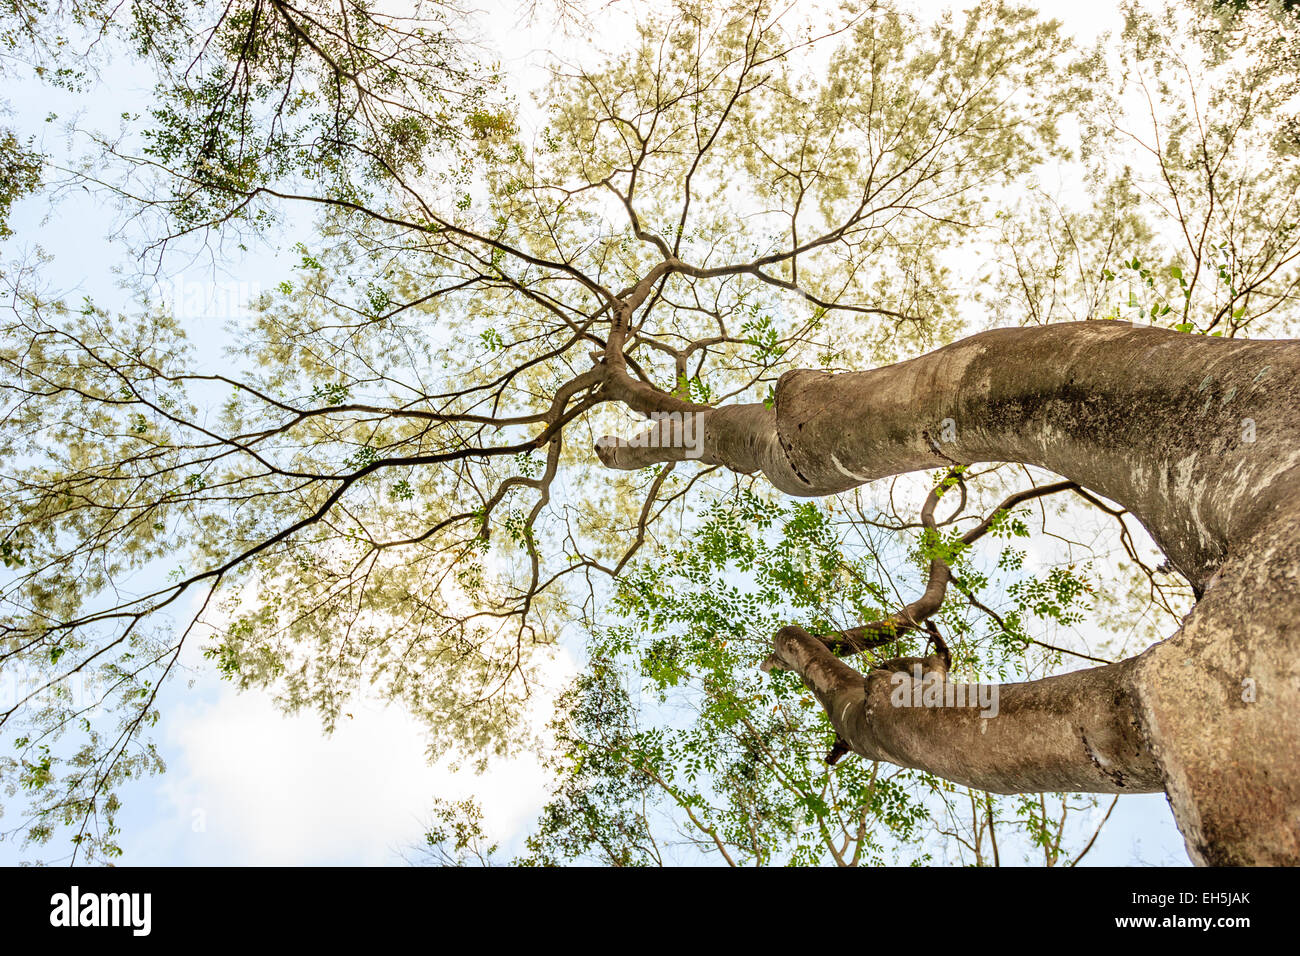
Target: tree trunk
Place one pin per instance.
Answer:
(1200, 439)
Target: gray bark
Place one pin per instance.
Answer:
(1200, 439)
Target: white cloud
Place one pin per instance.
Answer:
(248, 785)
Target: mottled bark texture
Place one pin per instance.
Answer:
(1200, 439)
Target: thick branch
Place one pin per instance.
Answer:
(1199, 438)
(1073, 732)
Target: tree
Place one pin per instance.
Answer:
(718, 231)
(673, 745)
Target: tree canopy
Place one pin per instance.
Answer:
(391, 483)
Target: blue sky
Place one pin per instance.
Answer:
(246, 784)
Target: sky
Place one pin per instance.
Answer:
(246, 784)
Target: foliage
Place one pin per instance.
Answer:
(386, 485)
(672, 746)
